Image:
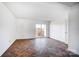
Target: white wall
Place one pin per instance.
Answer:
(74, 29)
(59, 27)
(7, 28)
(57, 31)
(26, 28)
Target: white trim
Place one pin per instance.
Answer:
(59, 40)
(7, 47)
(73, 50)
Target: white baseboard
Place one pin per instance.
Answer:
(73, 50)
(24, 38)
(59, 40)
(3, 51)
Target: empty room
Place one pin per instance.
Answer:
(39, 29)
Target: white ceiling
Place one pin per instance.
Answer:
(39, 10)
(69, 3)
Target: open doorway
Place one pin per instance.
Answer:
(40, 30)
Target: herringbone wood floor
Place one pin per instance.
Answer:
(40, 47)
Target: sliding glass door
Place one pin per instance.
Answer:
(40, 30)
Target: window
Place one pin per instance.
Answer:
(40, 30)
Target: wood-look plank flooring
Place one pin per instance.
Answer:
(40, 47)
